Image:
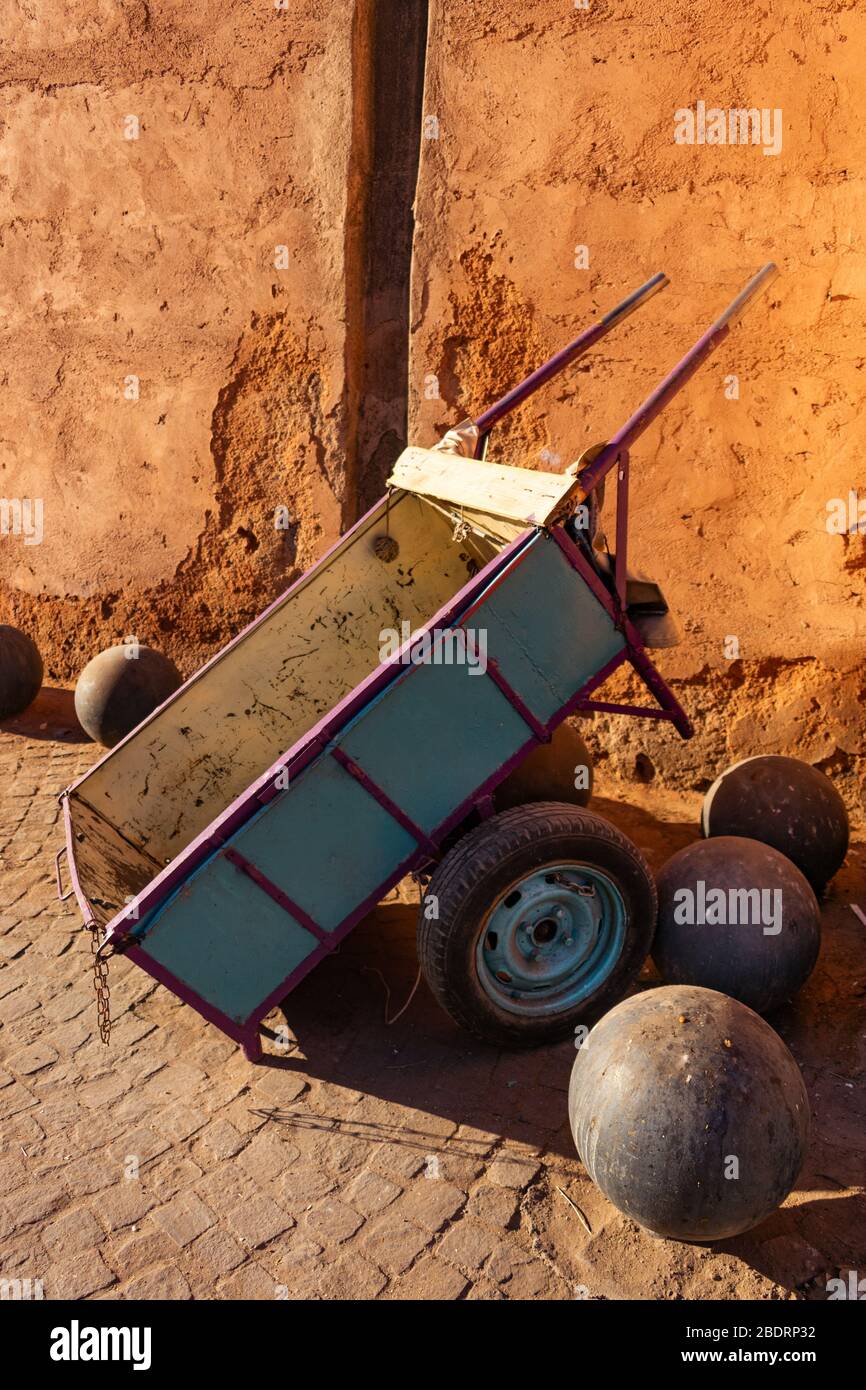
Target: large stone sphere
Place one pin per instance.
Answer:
(117, 690)
(20, 671)
(689, 1113)
(736, 916)
(786, 803)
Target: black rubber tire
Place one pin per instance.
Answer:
(480, 867)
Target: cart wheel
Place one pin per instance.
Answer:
(545, 914)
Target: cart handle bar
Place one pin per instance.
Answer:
(560, 360)
(674, 381)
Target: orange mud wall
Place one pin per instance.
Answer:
(238, 268)
(176, 303)
(553, 130)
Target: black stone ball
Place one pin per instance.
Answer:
(689, 1113)
(117, 690)
(787, 804)
(20, 671)
(738, 917)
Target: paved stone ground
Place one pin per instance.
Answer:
(364, 1161)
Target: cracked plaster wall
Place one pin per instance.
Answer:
(555, 130)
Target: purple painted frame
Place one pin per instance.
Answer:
(157, 893)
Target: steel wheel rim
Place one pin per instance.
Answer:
(551, 939)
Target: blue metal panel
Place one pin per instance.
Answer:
(429, 741)
(227, 940)
(545, 629)
(433, 737)
(326, 843)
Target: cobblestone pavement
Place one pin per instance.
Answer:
(366, 1161)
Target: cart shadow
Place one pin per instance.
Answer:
(656, 838)
(344, 1024)
(421, 1062)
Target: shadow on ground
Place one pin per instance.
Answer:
(338, 1018)
(51, 716)
(425, 1064)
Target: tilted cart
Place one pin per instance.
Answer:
(233, 839)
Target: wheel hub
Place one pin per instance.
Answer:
(551, 939)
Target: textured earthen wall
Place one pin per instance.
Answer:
(156, 258)
(556, 131)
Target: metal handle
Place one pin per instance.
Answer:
(60, 893)
(576, 349)
(675, 380)
(735, 310)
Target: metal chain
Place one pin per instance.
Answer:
(100, 983)
(461, 528)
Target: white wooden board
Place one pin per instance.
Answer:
(521, 495)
